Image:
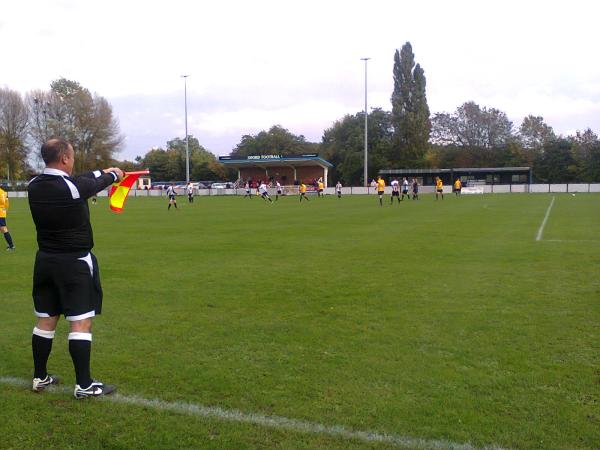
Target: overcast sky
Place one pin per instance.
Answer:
(253, 64)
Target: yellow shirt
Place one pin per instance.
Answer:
(380, 185)
(439, 184)
(457, 184)
(321, 186)
(3, 203)
(302, 188)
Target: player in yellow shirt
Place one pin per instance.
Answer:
(380, 189)
(457, 187)
(321, 186)
(3, 213)
(439, 188)
(302, 190)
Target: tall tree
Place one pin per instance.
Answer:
(586, 152)
(70, 111)
(472, 126)
(276, 141)
(534, 132)
(343, 146)
(555, 164)
(410, 112)
(14, 119)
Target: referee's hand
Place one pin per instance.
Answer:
(118, 172)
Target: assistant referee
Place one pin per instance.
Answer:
(66, 279)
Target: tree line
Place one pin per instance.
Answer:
(68, 110)
(407, 136)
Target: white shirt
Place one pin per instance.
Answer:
(263, 188)
(190, 189)
(405, 184)
(395, 185)
(170, 190)
(278, 187)
(338, 186)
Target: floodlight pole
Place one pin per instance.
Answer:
(366, 180)
(187, 144)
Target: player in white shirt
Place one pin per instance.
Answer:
(405, 188)
(264, 192)
(338, 189)
(395, 191)
(171, 194)
(279, 190)
(247, 187)
(190, 192)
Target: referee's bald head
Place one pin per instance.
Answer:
(54, 149)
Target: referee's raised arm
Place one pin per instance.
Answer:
(90, 183)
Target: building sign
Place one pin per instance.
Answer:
(265, 157)
(268, 157)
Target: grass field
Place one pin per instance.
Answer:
(429, 324)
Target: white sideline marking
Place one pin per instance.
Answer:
(541, 230)
(277, 422)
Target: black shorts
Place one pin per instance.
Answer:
(2, 221)
(395, 194)
(66, 283)
(440, 190)
(405, 191)
(380, 192)
(171, 197)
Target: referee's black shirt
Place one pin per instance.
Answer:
(60, 211)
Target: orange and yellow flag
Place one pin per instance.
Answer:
(119, 191)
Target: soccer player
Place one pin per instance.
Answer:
(279, 190)
(66, 279)
(338, 189)
(190, 192)
(439, 188)
(264, 192)
(405, 188)
(395, 191)
(171, 194)
(415, 189)
(4, 203)
(380, 189)
(320, 187)
(457, 187)
(247, 187)
(302, 190)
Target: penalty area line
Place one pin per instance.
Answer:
(275, 422)
(541, 229)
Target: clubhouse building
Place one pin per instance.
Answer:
(288, 170)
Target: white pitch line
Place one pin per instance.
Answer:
(276, 422)
(541, 230)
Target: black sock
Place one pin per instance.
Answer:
(80, 351)
(169, 207)
(41, 347)
(8, 238)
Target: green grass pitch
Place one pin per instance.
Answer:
(443, 321)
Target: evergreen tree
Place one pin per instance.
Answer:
(410, 112)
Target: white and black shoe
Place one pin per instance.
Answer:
(96, 389)
(40, 384)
